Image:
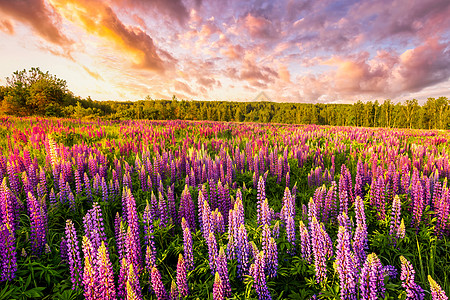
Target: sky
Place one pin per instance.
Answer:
(315, 51)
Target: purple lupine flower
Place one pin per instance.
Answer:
(78, 187)
(222, 269)
(37, 226)
(8, 264)
(89, 274)
(305, 243)
(150, 254)
(163, 212)
(257, 272)
(173, 291)
(360, 242)
(272, 258)
(63, 250)
(8, 210)
(212, 252)
(218, 292)
(436, 291)
(413, 290)
(120, 233)
(371, 279)
(319, 249)
(276, 230)
(73, 255)
(261, 196)
(93, 226)
(242, 251)
(104, 186)
(157, 285)
(418, 203)
(290, 233)
(269, 248)
(123, 278)
(395, 218)
(187, 208)
(187, 245)
(264, 216)
(390, 271)
(132, 241)
(104, 286)
(42, 187)
(359, 180)
(183, 288)
(346, 267)
(133, 285)
(87, 186)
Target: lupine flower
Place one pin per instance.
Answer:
(37, 226)
(133, 285)
(413, 290)
(173, 291)
(261, 196)
(73, 255)
(187, 245)
(157, 285)
(436, 291)
(276, 230)
(222, 269)
(187, 208)
(346, 267)
(132, 241)
(401, 230)
(269, 248)
(290, 233)
(183, 288)
(8, 264)
(218, 292)
(371, 279)
(212, 252)
(395, 218)
(391, 271)
(257, 272)
(104, 286)
(89, 275)
(318, 245)
(360, 241)
(163, 212)
(242, 251)
(93, 226)
(305, 243)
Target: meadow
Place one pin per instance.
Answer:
(215, 210)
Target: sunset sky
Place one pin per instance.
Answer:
(296, 51)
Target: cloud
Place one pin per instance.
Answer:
(98, 19)
(181, 86)
(37, 15)
(260, 27)
(6, 26)
(94, 74)
(173, 8)
(423, 66)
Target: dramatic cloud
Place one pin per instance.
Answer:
(99, 19)
(37, 15)
(294, 50)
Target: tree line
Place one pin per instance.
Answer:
(34, 92)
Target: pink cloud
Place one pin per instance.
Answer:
(37, 15)
(6, 26)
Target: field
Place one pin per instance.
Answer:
(215, 210)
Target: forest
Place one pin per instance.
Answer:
(34, 92)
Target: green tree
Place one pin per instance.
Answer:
(33, 92)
